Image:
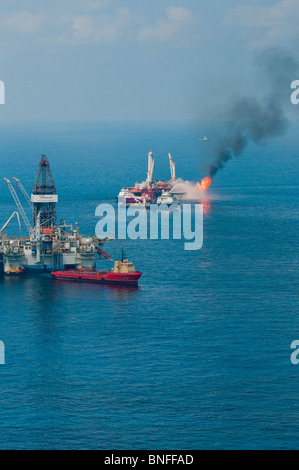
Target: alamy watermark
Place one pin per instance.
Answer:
(2, 92)
(159, 221)
(295, 354)
(295, 94)
(2, 353)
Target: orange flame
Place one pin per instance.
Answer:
(206, 183)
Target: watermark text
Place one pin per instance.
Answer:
(2, 353)
(295, 354)
(295, 94)
(2, 92)
(159, 221)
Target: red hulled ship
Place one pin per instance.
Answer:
(123, 273)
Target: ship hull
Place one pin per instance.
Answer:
(14, 273)
(98, 277)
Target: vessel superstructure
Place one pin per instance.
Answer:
(150, 190)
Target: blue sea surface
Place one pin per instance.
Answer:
(196, 357)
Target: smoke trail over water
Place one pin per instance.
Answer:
(258, 120)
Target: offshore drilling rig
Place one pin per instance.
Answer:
(48, 246)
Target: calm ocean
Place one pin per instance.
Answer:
(197, 357)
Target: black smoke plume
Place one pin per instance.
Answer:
(258, 120)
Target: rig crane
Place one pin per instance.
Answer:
(172, 168)
(9, 220)
(19, 205)
(25, 194)
(150, 170)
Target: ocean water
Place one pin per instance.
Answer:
(197, 357)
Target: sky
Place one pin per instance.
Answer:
(116, 60)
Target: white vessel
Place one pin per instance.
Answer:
(123, 194)
(166, 198)
(178, 192)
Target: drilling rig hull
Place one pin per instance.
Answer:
(61, 250)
